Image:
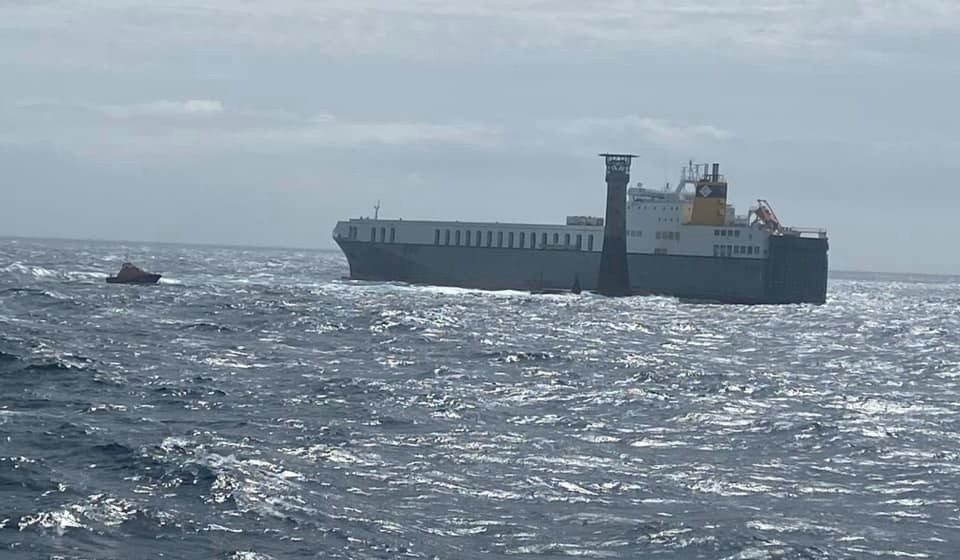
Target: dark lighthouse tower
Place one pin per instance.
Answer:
(613, 278)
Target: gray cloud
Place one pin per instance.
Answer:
(419, 27)
(173, 128)
(181, 128)
(265, 123)
(644, 129)
(189, 107)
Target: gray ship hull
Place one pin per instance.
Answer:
(795, 272)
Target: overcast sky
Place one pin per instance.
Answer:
(263, 123)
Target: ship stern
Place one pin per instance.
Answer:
(797, 269)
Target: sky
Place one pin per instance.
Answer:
(263, 123)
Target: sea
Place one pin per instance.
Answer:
(256, 405)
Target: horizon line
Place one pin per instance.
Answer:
(830, 271)
(153, 242)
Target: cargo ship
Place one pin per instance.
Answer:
(683, 241)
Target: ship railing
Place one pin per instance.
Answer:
(805, 232)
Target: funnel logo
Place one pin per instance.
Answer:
(705, 191)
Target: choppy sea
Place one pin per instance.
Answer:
(255, 405)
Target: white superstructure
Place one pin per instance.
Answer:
(659, 222)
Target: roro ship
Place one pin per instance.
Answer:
(684, 241)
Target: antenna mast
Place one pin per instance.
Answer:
(376, 211)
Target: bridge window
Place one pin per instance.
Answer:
(456, 237)
(446, 237)
(556, 238)
(383, 234)
(523, 239)
(489, 239)
(543, 240)
(590, 242)
(373, 234)
(499, 239)
(579, 241)
(736, 233)
(436, 237)
(510, 240)
(393, 235)
(479, 240)
(467, 242)
(566, 239)
(533, 240)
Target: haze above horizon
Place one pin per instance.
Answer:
(263, 125)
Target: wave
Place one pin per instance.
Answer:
(81, 275)
(520, 356)
(56, 366)
(52, 297)
(54, 362)
(21, 291)
(6, 357)
(203, 326)
(24, 473)
(26, 270)
(97, 509)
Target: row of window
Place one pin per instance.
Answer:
(521, 240)
(375, 234)
(661, 207)
(726, 233)
(733, 250)
(510, 239)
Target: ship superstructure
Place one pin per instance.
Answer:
(685, 241)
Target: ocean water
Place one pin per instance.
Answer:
(254, 405)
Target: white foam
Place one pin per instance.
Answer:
(57, 520)
(249, 555)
